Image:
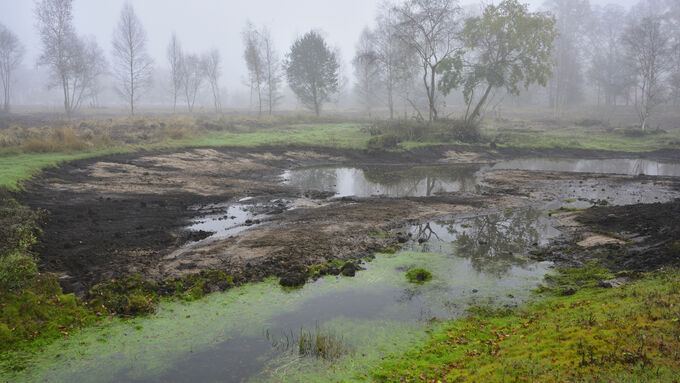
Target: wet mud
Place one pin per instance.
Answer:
(167, 214)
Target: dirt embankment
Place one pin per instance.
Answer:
(122, 214)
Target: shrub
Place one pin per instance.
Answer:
(383, 142)
(386, 135)
(16, 270)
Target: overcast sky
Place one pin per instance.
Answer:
(204, 24)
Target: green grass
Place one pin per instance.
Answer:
(628, 334)
(578, 137)
(19, 167)
(343, 135)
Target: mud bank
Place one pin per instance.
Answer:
(639, 237)
(129, 214)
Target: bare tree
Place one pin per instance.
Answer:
(75, 64)
(648, 44)
(395, 59)
(254, 62)
(193, 76)
(175, 58)
(367, 71)
(609, 69)
(674, 26)
(273, 73)
(212, 62)
(133, 65)
(59, 40)
(566, 84)
(430, 29)
(92, 67)
(11, 53)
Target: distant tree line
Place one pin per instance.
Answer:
(414, 57)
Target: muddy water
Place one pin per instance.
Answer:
(236, 336)
(428, 180)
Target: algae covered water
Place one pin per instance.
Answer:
(251, 333)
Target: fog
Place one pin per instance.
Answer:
(201, 26)
(206, 24)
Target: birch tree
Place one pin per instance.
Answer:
(648, 44)
(252, 54)
(367, 71)
(175, 58)
(11, 54)
(212, 62)
(132, 64)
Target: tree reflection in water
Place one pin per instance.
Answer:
(493, 243)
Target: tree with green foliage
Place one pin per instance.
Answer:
(312, 71)
(508, 47)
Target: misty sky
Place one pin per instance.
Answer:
(203, 24)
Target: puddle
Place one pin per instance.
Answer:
(418, 181)
(424, 181)
(226, 220)
(474, 260)
(631, 167)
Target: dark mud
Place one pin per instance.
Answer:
(639, 237)
(124, 214)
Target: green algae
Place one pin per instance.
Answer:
(147, 348)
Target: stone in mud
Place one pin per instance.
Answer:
(349, 269)
(293, 279)
(614, 283)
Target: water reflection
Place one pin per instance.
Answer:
(388, 181)
(494, 243)
(425, 181)
(631, 167)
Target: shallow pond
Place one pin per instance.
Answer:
(253, 333)
(422, 181)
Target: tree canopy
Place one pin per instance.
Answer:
(312, 71)
(510, 47)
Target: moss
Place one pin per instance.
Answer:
(566, 281)
(330, 268)
(388, 250)
(627, 334)
(130, 295)
(39, 313)
(418, 275)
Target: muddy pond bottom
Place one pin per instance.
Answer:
(264, 333)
